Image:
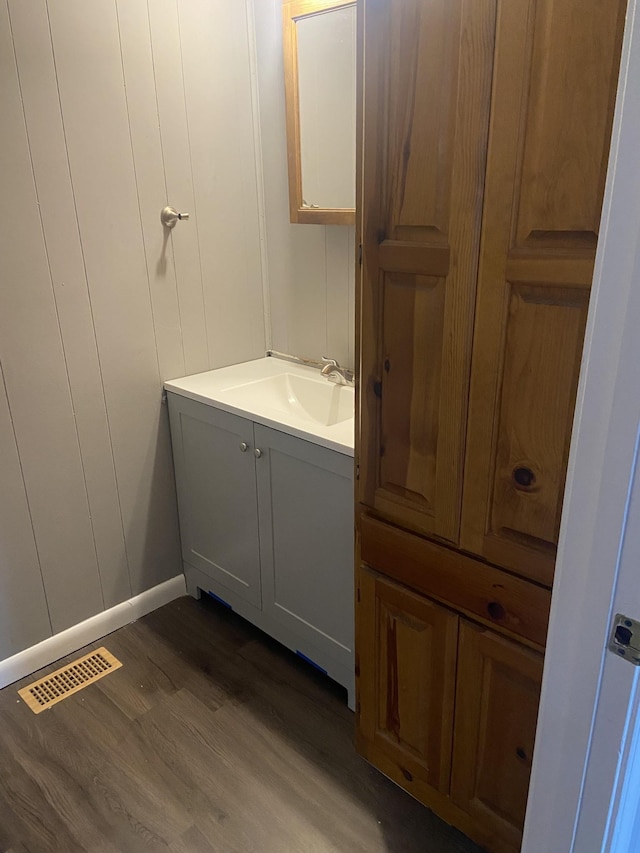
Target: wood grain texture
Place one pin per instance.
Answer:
(358, 279)
(210, 737)
(503, 601)
(439, 803)
(353, 276)
(427, 77)
(564, 144)
(407, 680)
(545, 325)
(552, 69)
(493, 742)
(413, 332)
(389, 732)
(547, 160)
(292, 111)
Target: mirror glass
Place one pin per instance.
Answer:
(319, 41)
(326, 43)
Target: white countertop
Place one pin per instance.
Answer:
(220, 387)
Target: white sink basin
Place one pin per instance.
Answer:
(291, 397)
(317, 400)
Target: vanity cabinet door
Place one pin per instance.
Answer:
(407, 667)
(305, 503)
(216, 482)
(498, 689)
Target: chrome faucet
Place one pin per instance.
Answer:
(335, 373)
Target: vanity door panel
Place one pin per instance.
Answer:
(217, 499)
(305, 502)
(427, 79)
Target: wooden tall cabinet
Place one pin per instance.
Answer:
(427, 85)
(555, 75)
(484, 144)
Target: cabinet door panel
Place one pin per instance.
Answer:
(571, 73)
(406, 664)
(456, 580)
(412, 337)
(554, 88)
(543, 343)
(427, 81)
(305, 499)
(217, 496)
(498, 689)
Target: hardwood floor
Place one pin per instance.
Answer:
(211, 737)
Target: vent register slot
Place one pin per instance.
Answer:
(56, 686)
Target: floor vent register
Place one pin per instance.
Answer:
(56, 686)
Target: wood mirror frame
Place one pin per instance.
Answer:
(292, 11)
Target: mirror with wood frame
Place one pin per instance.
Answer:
(319, 38)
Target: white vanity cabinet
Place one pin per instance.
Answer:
(216, 486)
(266, 523)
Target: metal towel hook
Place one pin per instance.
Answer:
(169, 216)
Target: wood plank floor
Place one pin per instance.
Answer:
(211, 737)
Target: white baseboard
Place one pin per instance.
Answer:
(74, 638)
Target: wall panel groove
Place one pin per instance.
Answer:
(24, 613)
(174, 139)
(127, 88)
(217, 88)
(65, 355)
(148, 160)
(36, 376)
(98, 304)
(68, 274)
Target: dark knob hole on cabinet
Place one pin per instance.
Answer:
(524, 477)
(521, 753)
(496, 610)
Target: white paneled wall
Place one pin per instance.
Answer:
(311, 267)
(110, 110)
(218, 83)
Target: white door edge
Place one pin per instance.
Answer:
(580, 742)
